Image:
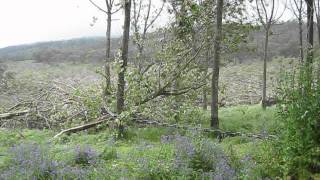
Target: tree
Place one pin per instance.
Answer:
(317, 13)
(297, 8)
(215, 66)
(144, 17)
(109, 12)
(267, 12)
(310, 12)
(124, 57)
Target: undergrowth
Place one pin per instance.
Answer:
(147, 153)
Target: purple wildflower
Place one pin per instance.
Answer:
(85, 155)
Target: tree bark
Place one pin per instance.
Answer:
(318, 27)
(125, 50)
(301, 38)
(310, 12)
(108, 48)
(264, 80)
(216, 63)
(309, 60)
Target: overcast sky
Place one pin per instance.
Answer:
(28, 21)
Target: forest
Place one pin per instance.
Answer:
(225, 90)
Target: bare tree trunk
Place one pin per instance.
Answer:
(309, 60)
(298, 10)
(264, 80)
(310, 12)
(216, 63)
(318, 27)
(301, 38)
(125, 50)
(107, 65)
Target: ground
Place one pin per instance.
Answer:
(143, 152)
(143, 144)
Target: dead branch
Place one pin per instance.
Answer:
(83, 127)
(13, 114)
(109, 116)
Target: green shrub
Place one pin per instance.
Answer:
(299, 112)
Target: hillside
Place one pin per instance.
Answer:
(283, 42)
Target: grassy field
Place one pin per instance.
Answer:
(145, 152)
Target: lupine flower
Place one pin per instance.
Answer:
(223, 170)
(85, 156)
(31, 161)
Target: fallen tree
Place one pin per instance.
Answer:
(82, 127)
(221, 134)
(13, 114)
(108, 115)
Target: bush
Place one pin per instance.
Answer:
(299, 113)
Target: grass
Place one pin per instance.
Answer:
(144, 143)
(248, 119)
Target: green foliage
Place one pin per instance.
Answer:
(269, 160)
(299, 110)
(109, 153)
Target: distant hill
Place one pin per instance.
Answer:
(82, 49)
(283, 42)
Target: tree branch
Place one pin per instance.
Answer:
(98, 7)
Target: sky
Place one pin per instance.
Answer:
(29, 21)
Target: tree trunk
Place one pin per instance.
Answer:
(301, 38)
(310, 12)
(318, 27)
(264, 80)
(309, 60)
(108, 48)
(216, 63)
(125, 49)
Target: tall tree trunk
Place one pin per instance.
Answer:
(216, 63)
(265, 58)
(309, 60)
(301, 38)
(125, 50)
(107, 63)
(310, 12)
(318, 27)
